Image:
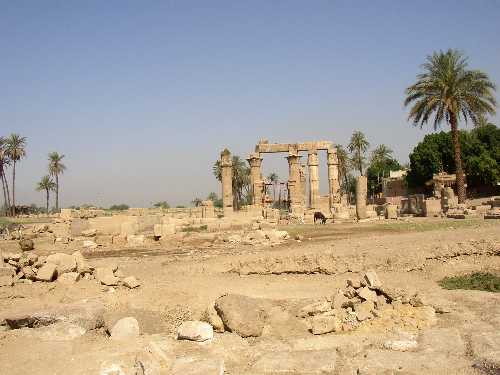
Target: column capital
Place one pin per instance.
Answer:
(254, 159)
(312, 158)
(332, 158)
(225, 158)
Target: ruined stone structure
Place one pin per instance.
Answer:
(361, 190)
(227, 181)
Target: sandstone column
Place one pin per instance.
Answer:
(294, 188)
(333, 178)
(313, 163)
(361, 190)
(227, 182)
(256, 183)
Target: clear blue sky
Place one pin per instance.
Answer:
(142, 95)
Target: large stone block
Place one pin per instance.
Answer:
(310, 362)
(432, 207)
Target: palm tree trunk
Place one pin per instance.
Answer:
(47, 202)
(14, 188)
(458, 159)
(57, 193)
(8, 193)
(3, 189)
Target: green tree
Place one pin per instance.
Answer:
(214, 198)
(381, 163)
(118, 207)
(56, 167)
(162, 204)
(46, 184)
(449, 91)
(358, 145)
(15, 148)
(345, 167)
(4, 162)
(240, 180)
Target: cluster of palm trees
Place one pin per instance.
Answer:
(12, 150)
(46, 184)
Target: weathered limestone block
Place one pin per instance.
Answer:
(432, 208)
(325, 324)
(125, 328)
(391, 211)
(195, 331)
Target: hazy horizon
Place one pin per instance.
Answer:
(142, 97)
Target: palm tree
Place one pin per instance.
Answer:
(273, 178)
(55, 169)
(344, 169)
(46, 184)
(4, 161)
(449, 91)
(358, 146)
(15, 150)
(241, 179)
(381, 153)
(196, 202)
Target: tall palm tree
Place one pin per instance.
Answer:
(449, 91)
(55, 169)
(344, 169)
(241, 179)
(381, 153)
(4, 161)
(273, 178)
(46, 184)
(16, 150)
(358, 146)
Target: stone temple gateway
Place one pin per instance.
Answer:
(296, 176)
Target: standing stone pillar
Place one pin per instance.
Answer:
(333, 179)
(313, 164)
(226, 163)
(256, 182)
(361, 190)
(294, 188)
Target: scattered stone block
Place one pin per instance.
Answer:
(48, 272)
(371, 279)
(364, 310)
(131, 282)
(125, 328)
(310, 362)
(315, 308)
(325, 324)
(241, 314)
(69, 278)
(64, 262)
(210, 316)
(195, 331)
(106, 276)
(367, 294)
(26, 245)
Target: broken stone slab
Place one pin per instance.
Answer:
(371, 279)
(367, 294)
(310, 362)
(314, 309)
(364, 310)
(195, 331)
(48, 272)
(64, 262)
(339, 300)
(68, 278)
(89, 233)
(125, 328)
(82, 265)
(131, 282)
(89, 245)
(241, 314)
(106, 276)
(86, 314)
(29, 272)
(193, 366)
(325, 324)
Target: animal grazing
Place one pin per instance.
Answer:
(319, 216)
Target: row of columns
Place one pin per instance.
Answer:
(296, 179)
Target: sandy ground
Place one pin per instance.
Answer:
(179, 283)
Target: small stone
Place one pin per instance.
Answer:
(355, 283)
(105, 276)
(29, 273)
(314, 308)
(417, 301)
(26, 245)
(367, 294)
(47, 272)
(371, 279)
(364, 311)
(125, 328)
(339, 300)
(131, 282)
(195, 331)
(324, 324)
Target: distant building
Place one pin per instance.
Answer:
(395, 184)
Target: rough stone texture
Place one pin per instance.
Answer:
(391, 211)
(401, 345)
(125, 328)
(241, 314)
(195, 331)
(371, 279)
(307, 362)
(106, 276)
(26, 245)
(364, 310)
(68, 278)
(29, 273)
(192, 366)
(339, 300)
(325, 324)
(131, 282)
(64, 262)
(314, 308)
(361, 190)
(486, 350)
(6, 281)
(367, 294)
(81, 263)
(47, 272)
(86, 314)
(210, 316)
